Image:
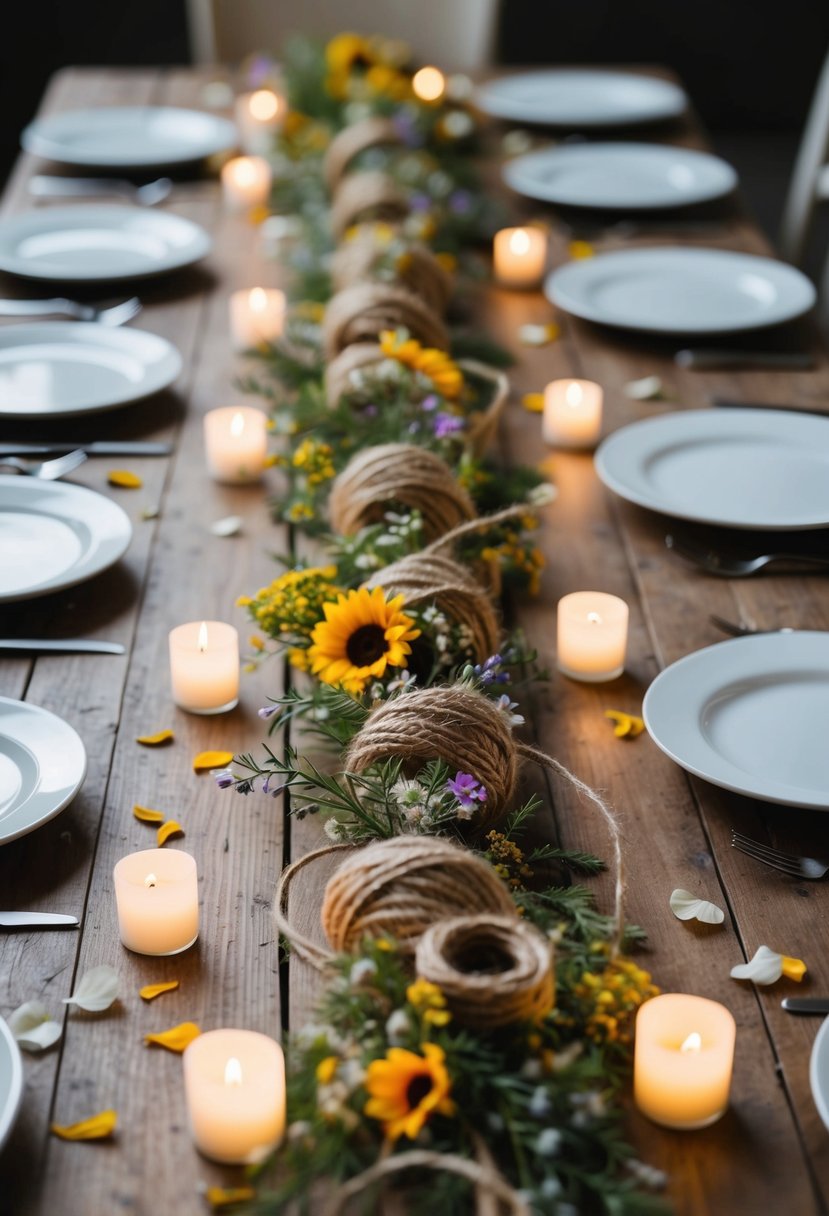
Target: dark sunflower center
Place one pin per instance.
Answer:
(418, 1089)
(366, 645)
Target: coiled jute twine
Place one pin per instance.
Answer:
(492, 970)
(368, 195)
(362, 312)
(374, 132)
(415, 267)
(433, 578)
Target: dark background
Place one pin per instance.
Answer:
(749, 68)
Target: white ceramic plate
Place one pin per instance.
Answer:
(739, 468)
(620, 175)
(54, 534)
(129, 136)
(11, 1081)
(819, 1072)
(58, 368)
(749, 715)
(681, 291)
(581, 97)
(86, 244)
(42, 767)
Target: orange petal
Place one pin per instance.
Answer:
(176, 1038)
(150, 991)
(145, 815)
(124, 479)
(225, 1197)
(534, 402)
(98, 1127)
(168, 829)
(208, 760)
(156, 740)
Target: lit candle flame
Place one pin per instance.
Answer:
(245, 171)
(258, 302)
(237, 422)
(150, 880)
(264, 105)
(573, 394)
(594, 618)
(233, 1072)
(519, 242)
(202, 642)
(428, 84)
(692, 1044)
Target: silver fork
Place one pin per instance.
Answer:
(110, 312)
(737, 629)
(46, 470)
(51, 185)
(787, 863)
(730, 565)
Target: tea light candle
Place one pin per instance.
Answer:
(572, 413)
(234, 1083)
(157, 897)
(236, 443)
(246, 182)
(429, 84)
(256, 316)
(683, 1060)
(520, 256)
(592, 636)
(204, 666)
(259, 116)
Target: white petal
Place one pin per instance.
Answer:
(649, 388)
(96, 990)
(231, 525)
(686, 906)
(44, 1035)
(33, 1028)
(765, 968)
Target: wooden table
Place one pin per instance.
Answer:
(770, 1152)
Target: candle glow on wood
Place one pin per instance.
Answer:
(236, 443)
(246, 183)
(592, 632)
(519, 256)
(157, 898)
(204, 667)
(572, 413)
(257, 316)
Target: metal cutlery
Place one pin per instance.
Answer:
(788, 863)
(703, 359)
(630, 228)
(59, 646)
(51, 185)
(101, 448)
(805, 1004)
(37, 920)
(739, 630)
(110, 313)
(724, 403)
(732, 565)
(46, 470)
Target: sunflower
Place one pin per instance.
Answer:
(405, 1089)
(363, 633)
(434, 364)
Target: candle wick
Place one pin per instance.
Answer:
(594, 618)
(150, 880)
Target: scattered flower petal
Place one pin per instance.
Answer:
(124, 479)
(145, 815)
(515, 143)
(207, 760)
(98, 1127)
(649, 388)
(96, 990)
(538, 335)
(767, 966)
(150, 991)
(168, 829)
(580, 249)
(231, 525)
(157, 740)
(150, 512)
(225, 1197)
(33, 1026)
(176, 1038)
(628, 726)
(686, 906)
(534, 402)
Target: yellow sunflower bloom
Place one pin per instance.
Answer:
(430, 362)
(347, 50)
(405, 1089)
(363, 633)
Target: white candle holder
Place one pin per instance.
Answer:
(519, 257)
(246, 183)
(157, 898)
(236, 444)
(592, 630)
(257, 317)
(572, 414)
(204, 667)
(259, 116)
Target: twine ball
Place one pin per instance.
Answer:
(433, 578)
(415, 267)
(362, 312)
(339, 373)
(367, 195)
(397, 888)
(371, 132)
(391, 475)
(457, 725)
(493, 970)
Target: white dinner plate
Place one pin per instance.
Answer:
(93, 244)
(681, 291)
(11, 1081)
(581, 97)
(129, 136)
(42, 767)
(54, 534)
(739, 468)
(749, 715)
(58, 368)
(620, 175)
(819, 1072)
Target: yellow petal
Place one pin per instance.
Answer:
(176, 1038)
(145, 815)
(224, 1197)
(156, 740)
(97, 1128)
(124, 479)
(534, 402)
(150, 991)
(627, 725)
(168, 829)
(580, 249)
(793, 968)
(208, 760)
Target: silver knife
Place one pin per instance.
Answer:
(103, 448)
(701, 359)
(67, 646)
(806, 1004)
(36, 920)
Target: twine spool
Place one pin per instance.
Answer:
(493, 970)
(351, 141)
(362, 312)
(368, 195)
(415, 267)
(432, 578)
(398, 474)
(397, 888)
(360, 356)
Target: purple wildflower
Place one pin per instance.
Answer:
(224, 779)
(446, 425)
(467, 789)
(506, 705)
(430, 402)
(460, 201)
(489, 672)
(420, 201)
(407, 129)
(370, 411)
(268, 711)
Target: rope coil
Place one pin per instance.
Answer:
(368, 195)
(414, 267)
(362, 312)
(351, 141)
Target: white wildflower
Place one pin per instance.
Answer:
(398, 1027)
(548, 1142)
(361, 972)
